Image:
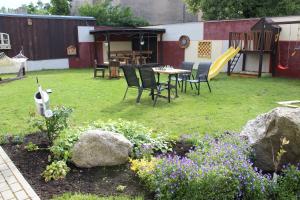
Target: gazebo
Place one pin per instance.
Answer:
(145, 46)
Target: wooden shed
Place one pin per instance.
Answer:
(42, 36)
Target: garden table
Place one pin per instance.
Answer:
(170, 72)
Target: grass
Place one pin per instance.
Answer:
(231, 104)
(68, 196)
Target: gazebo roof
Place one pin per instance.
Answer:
(126, 30)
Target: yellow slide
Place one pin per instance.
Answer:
(218, 65)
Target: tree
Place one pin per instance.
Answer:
(39, 8)
(229, 9)
(60, 7)
(109, 15)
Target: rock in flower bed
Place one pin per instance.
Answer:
(217, 169)
(100, 148)
(266, 132)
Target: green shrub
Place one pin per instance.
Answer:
(62, 145)
(218, 169)
(141, 136)
(56, 170)
(53, 125)
(31, 147)
(288, 184)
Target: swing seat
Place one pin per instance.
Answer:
(282, 67)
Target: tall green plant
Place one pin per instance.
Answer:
(55, 124)
(110, 15)
(220, 9)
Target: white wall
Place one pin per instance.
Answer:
(116, 46)
(84, 34)
(48, 64)
(173, 31)
(289, 32)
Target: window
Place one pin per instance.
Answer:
(4, 41)
(204, 49)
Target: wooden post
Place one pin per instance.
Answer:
(108, 46)
(229, 63)
(261, 48)
(161, 56)
(244, 61)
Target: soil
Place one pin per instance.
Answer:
(101, 181)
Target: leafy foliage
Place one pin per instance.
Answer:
(219, 9)
(60, 7)
(31, 147)
(55, 171)
(53, 125)
(110, 15)
(39, 8)
(220, 170)
(288, 184)
(141, 136)
(61, 148)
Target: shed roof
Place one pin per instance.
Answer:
(126, 30)
(48, 16)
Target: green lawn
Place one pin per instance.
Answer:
(231, 104)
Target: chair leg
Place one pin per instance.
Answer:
(138, 99)
(156, 97)
(95, 73)
(125, 93)
(185, 86)
(103, 73)
(182, 85)
(152, 94)
(208, 86)
(192, 85)
(199, 88)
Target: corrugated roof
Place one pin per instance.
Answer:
(48, 16)
(106, 29)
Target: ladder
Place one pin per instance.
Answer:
(234, 61)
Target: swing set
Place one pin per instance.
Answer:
(290, 54)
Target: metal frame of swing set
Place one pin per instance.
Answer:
(297, 48)
(20, 75)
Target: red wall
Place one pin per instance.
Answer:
(293, 62)
(172, 54)
(86, 55)
(219, 30)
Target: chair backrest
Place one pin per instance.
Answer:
(113, 63)
(130, 76)
(187, 65)
(149, 65)
(148, 78)
(95, 63)
(203, 69)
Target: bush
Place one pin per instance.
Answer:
(218, 169)
(141, 136)
(288, 184)
(55, 171)
(31, 147)
(62, 145)
(53, 125)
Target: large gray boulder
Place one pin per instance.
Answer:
(265, 133)
(100, 148)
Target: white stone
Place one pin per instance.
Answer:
(100, 148)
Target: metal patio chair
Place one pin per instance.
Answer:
(149, 83)
(131, 79)
(99, 68)
(201, 76)
(183, 77)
